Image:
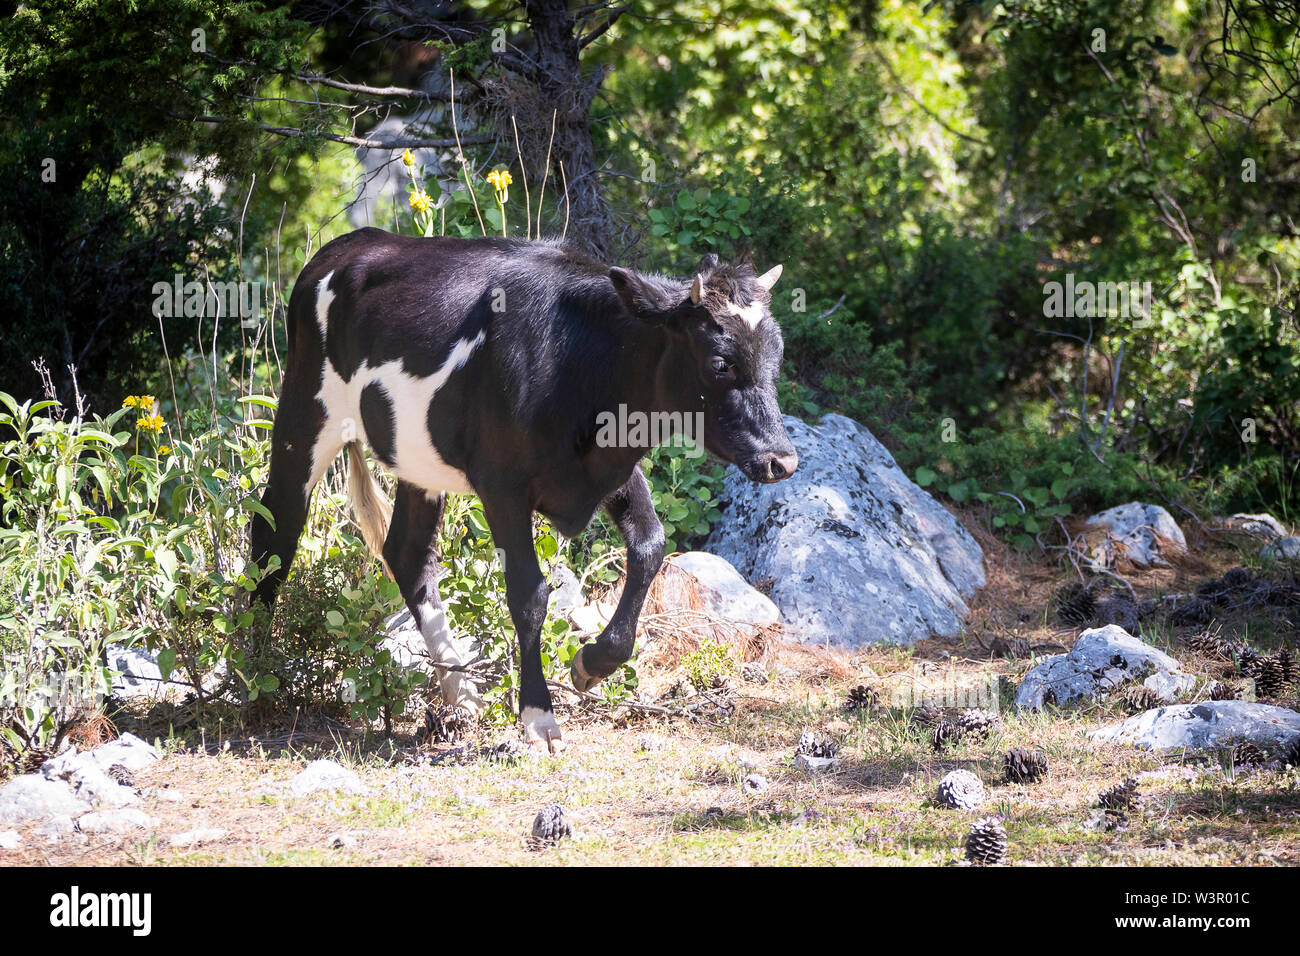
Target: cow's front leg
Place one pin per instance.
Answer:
(633, 511)
(526, 593)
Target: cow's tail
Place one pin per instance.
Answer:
(373, 510)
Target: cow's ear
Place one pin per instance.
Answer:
(642, 298)
(768, 278)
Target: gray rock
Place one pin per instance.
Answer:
(114, 821)
(138, 673)
(1134, 533)
(1283, 549)
(381, 185)
(59, 827)
(10, 840)
(1263, 526)
(566, 595)
(128, 750)
(857, 552)
(196, 836)
(88, 778)
(1102, 659)
(32, 797)
(809, 764)
(1213, 724)
(725, 593)
(325, 775)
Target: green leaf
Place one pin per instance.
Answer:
(925, 476)
(167, 662)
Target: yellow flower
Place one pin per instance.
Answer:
(164, 449)
(149, 423)
(420, 201)
(407, 158)
(147, 402)
(131, 401)
(500, 179)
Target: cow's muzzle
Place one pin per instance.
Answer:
(773, 467)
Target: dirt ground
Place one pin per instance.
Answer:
(652, 790)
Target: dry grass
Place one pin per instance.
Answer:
(651, 791)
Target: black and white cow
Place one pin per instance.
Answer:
(482, 365)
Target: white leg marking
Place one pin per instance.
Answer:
(541, 729)
(457, 687)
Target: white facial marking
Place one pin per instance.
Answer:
(414, 458)
(752, 313)
(324, 296)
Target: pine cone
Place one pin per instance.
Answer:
(1120, 610)
(861, 699)
(550, 826)
(1292, 753)
(1218, 690)
(1287, 663)
(1269, 681)
(1248, 660)
(1238, 579)
(122, 775)
(961, 790)
(927, 716)
(1024, 766)
(1140, 698)
(1194, 610)
(978, 722)
(1209, 644)
(1215, 591)
(986, 843)
(444, 723)
(1075, 604)
(944, 734)
(1123, 796)
(816, 745)
(1246, 754)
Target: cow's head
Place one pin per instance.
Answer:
(723, 358)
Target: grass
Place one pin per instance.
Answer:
(681, 800)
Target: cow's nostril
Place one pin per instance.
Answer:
(782, 466)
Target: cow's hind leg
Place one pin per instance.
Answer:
(302, 446)
(633, 511)
(411, 555)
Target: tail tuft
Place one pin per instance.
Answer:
(373, 510)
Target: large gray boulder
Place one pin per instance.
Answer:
(1263, 526)
(1213, 724)
(856, 552)
(1101, 660)
(1138, 533)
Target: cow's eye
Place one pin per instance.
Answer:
(721, 367)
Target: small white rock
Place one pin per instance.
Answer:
(325, 775)
(197, 836)
(9, 840)
(114, 821)
(815, 764)
(755, 783)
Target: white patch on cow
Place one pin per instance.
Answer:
(414, 457)
(752, 313)
(324, 296)
(539, 725)
(457, 688)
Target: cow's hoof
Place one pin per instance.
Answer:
(578, 675)
(541, 732)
